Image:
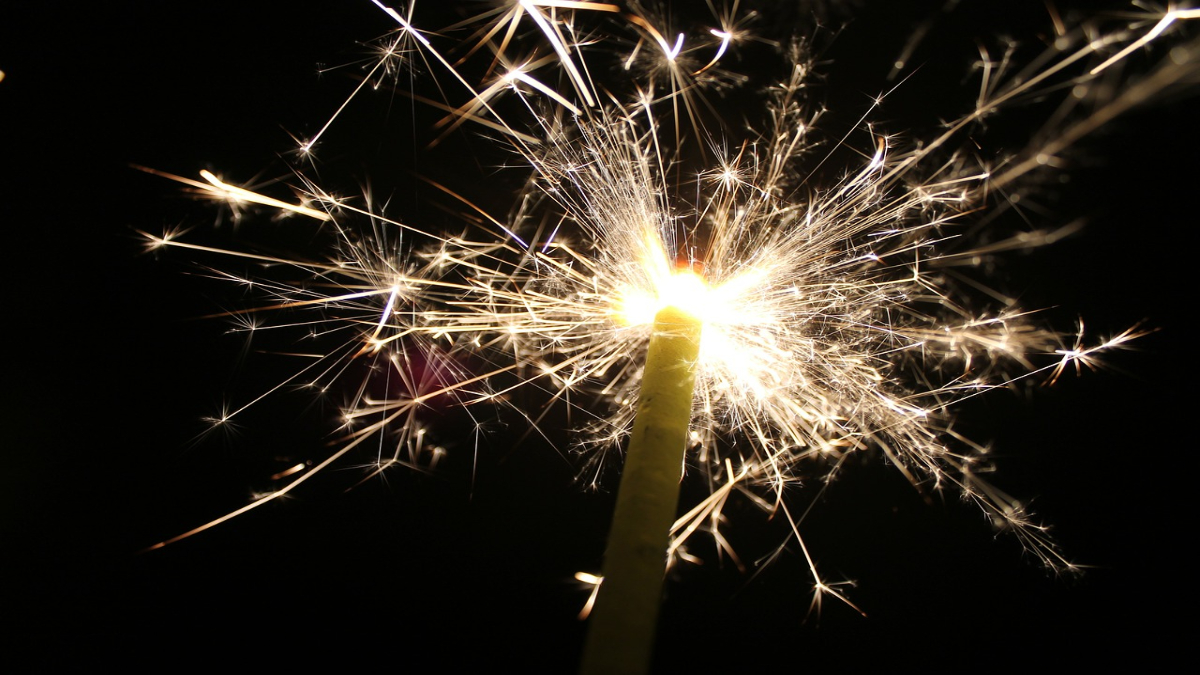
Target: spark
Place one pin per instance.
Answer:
(832, 323)
(217, 189)
(593, 582)
(1167, 19)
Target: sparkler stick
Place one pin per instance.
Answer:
(621, 632)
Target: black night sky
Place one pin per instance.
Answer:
(110, 369)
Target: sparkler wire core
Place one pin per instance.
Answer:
(621, 635)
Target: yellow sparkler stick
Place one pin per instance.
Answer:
(621, 635)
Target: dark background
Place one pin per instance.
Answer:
(108, 373)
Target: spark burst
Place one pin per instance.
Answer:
(838, 317)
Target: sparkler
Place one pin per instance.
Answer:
(835, 318)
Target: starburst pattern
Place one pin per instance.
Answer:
(838, 317)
